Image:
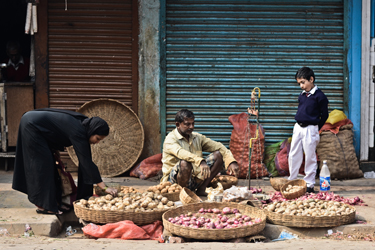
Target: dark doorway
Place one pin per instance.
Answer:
(12, 26)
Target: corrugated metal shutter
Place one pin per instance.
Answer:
(218, 51)
(91, 52)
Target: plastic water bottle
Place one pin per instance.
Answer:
(325, 178)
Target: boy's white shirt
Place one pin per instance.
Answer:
(311, 92)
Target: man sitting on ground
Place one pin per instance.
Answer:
(183, 161)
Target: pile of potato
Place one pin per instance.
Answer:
(165, 188)
(292, 189)
(125, 190)
(129, 202)
(309, 207)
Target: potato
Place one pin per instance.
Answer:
(164, 190)
(164, 200)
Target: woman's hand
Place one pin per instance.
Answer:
(112, 191)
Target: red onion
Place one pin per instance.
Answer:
(216, 211)
(227, 210)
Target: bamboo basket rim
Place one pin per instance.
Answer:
(310, 221)
(175, 196)
(105, 216)
(215, 234)
(188, 197)
(298, 182)
(277, 182)
(124, 144)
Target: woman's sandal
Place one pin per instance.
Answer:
(48, 212)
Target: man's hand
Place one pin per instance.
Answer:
(205, 170)
(234, 169)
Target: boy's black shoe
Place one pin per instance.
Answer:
(310, 190)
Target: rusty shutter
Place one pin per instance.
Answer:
(216, 52)
(92, 46)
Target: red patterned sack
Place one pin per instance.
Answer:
(148, 168)
(239, 146)
(281, 159)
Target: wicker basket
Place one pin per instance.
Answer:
(175, 196)
(227, 181)
(277, 183)
(104, 216)
(294, 195)
(189, 197)
(123, 146)
(309, 221)
(214, 234)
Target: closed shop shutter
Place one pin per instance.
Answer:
(216, 52)
(92, 46)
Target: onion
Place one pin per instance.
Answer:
(227, 210)
(216, 211)
(257, 220)
(247, 219)
(224, 219)
(235, 210)
(201, 210)
(235, 222)
(219, 227)
(238, 215)
(209, 210)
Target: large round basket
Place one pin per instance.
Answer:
(214, 234)
(104, 216)
(119, 151)
(277, 183)
(294, 195)
(227, 181)
(189, 197)
(175, 196)
(310, 221)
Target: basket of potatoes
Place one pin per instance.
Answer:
(141, 208)
(167, 189)
(293, 189)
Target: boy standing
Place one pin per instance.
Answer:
(311, 115)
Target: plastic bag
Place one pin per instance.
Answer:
(125, 230)
(214, 191)
(336, 116)
(148, 168)
(237, 194)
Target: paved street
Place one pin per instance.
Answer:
(16, 211)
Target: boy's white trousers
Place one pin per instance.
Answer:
(304, 140)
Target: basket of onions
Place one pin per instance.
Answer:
(214, 220)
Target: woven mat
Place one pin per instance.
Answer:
(120, 150)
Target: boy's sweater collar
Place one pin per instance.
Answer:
(311, 92)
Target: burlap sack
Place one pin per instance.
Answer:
(239, 146)
(339, 152)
